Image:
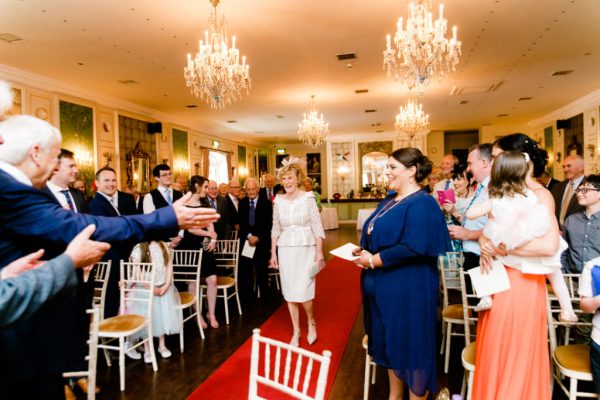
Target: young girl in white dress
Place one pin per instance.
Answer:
(515, 218)
(166, 317)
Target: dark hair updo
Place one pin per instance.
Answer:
(196, 182)
(412, 157)
(525, 144)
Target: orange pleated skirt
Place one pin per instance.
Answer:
(512, 360)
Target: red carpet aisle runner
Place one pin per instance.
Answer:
(336, 305)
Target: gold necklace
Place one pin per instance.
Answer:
(384, 210)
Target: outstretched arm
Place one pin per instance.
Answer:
(479, 209)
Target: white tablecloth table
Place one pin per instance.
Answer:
(362, 216)
(329, 218)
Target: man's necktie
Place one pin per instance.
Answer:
(68, 197)
(113, 202)
(565, 203)
(252, 213)
(168, 197)
(447, 184)
(213, 203)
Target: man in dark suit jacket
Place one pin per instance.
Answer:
(256, 231)
(233, 204)
(573, 167)
(547, 180)
(268, 191)
(110, 202)
(58, 184)
(35, 352)
(222, 226)
(162, 196)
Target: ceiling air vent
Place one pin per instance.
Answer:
(359, 91)
(502, 115)
(127, 81)
(562, 73)
(371, 110)
(346, 56)
(11, 38)
(192, 106)
(279, 116)
(525, 98)
(475, 89)
(232, 121)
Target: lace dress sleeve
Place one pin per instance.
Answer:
(276, 229)
(315, 218)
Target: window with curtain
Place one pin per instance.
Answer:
(217, 167)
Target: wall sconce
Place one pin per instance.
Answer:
(197, 166)
(342, 171)
(243, 171)
(107, 158)
(558, 156)
(281, 150)
(215, 144)
(592, 149)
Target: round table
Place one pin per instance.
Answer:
(362, 216)
(329, 218)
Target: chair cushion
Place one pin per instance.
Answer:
(225, 281)
(575, 357)
(186, 298)
(121, 323)
(468, 354)
(453, 311)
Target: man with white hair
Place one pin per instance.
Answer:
(563, 192)
(222, 226)
(38, 350)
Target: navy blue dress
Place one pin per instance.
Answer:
(400, 299)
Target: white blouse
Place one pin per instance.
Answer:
(297, 222)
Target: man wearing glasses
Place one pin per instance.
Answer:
(582, 229)
(163, 195)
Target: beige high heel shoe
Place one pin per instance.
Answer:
(295, 339)
(311, 337)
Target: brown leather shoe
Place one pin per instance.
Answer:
(83, 385)
(69, 395)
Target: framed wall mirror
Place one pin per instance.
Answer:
(373, 157)
(138, 169)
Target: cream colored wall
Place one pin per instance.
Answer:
(300, 150)
(435, 147)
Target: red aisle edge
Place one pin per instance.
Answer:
(336, 305)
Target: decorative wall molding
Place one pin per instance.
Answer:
(576, 107)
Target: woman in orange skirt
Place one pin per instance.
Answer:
(512, 360)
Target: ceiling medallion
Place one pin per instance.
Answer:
(421, 50)
(215, 74)
(411, 124)
(313, 129)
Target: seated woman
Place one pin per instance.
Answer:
(203, 238)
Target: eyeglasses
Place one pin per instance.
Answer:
(584, 190)
(165, 174)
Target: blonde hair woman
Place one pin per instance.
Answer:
(297, 245)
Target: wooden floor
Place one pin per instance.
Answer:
(178, 376)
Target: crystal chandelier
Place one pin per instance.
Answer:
(215, 74)
(411, 123)
(421, 50)
(313, 129)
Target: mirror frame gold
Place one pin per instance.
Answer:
(142, 181)
(365, 148)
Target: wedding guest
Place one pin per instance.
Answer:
(256, 221)
(399, 282)
(203, 238)
(233, 202)
(63, 176)
(509, 364)
(163, 196)
(223, 190)
(564, 192)
(449, 162)
(582, 229)
(435, 176)
(297, 246)
(308, 187)
(546, 180)
(269, 190)
(222, 226)
(463, 193)
(590, 303)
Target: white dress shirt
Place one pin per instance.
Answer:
(57, 191)
(113, 200)
(235, 201)
(15, 173)
(149, 203)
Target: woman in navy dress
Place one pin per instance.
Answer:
(401, 242)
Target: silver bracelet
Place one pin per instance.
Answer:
(371, 263)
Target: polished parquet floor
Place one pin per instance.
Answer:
(178, 376)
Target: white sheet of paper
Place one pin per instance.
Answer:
(248, 251)
(345, 252)
(495, 281)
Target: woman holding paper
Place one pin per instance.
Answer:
(298, 234)
(401, 242)
(509, 364)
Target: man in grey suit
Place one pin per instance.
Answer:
(27, 283)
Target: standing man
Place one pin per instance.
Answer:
(163, 196)
(479, 163)
(222, 226)
(110, 202)
(547, 180)
(256, 221)
(223, 190)
(449, 161)
(269, 190)
(34, 353)
(233, 203)
(564, 192)
(58, 185)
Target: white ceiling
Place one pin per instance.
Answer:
(291, 47)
